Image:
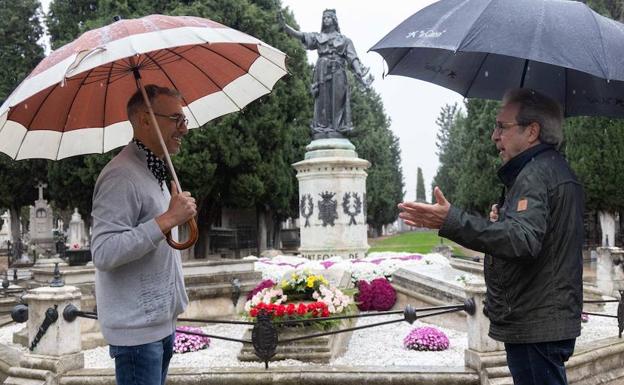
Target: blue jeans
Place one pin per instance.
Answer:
(539, 363)
(145, 364)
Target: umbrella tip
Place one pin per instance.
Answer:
(116, 18)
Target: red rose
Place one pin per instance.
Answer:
(253, 312)
(301, 309)
(290, 309)
(325, 313)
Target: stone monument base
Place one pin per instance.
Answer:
(332, 196)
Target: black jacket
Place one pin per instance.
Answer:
(533, 264)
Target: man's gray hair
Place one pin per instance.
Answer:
(541, 109)
(137, 103)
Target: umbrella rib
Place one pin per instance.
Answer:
(396, 63)
(267, 59)
(110, 71)
(71, 105)
(210, 78)
(476, 74)
(461, 42)
(172, 83)
(604, 52)
(237, 65)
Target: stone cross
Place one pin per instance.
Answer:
(40, 186)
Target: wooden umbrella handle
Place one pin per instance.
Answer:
(194, 233)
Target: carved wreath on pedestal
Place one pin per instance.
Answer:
(354, 209)
(306, 207)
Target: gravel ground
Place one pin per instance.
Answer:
(363, 350)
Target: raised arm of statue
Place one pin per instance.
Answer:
(287, 28)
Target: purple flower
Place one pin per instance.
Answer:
(377, 295)
(383, 294)
(261, 286)
(426, 338)
(377, 261)
(415, 257)
(364, 297)
(327, 264)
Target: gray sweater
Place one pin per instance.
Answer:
(139, 282)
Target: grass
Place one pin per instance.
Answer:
(412, 242)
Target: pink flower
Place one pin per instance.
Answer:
(426, 338)
(184, 343)
(262, 285)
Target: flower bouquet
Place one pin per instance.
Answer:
(302, 285)
(318, 300)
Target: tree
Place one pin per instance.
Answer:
(20, 30)
(66, 20)
(450, 123)
(468, 159)
(477, 184)
(594, 149)
(420, 187)
(375, 142)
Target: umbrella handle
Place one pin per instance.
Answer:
(193, 235)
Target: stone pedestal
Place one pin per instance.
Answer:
(62, 337)
(484, 354)
(58, 351)
(332, 196)
(610, 271)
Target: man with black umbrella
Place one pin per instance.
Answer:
(532, 240)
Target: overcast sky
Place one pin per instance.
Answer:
(412, 105)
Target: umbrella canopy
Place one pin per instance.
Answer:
(74, 101)
(480, 48)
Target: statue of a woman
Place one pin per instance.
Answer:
(330, 88)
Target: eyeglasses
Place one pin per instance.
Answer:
(179, 119)
(499, 127)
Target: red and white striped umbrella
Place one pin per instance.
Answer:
(74, 101)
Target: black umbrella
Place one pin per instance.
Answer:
(480, 48)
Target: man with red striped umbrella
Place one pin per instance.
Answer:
(79, 100)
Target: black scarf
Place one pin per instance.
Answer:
(154, 163)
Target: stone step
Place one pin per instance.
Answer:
(314, 357)
(247, 276)
(215, 290)
(23, 381)
(501, 381)
(498, 372)
(28, 376)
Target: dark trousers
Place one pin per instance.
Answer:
(539, 363)
(145, 364)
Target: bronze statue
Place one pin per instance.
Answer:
(330, 88)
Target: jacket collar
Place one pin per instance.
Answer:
(510, 170)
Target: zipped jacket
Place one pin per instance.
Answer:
(533, 264)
